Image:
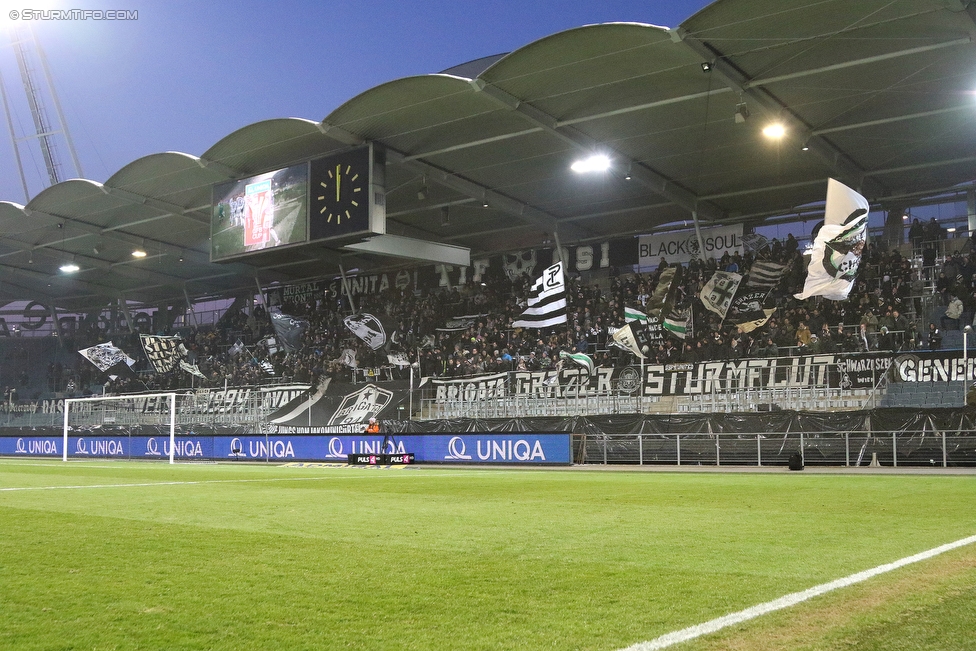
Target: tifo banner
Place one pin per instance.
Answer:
(345, 407)
(683, 246)
(840, 371)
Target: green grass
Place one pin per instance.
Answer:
(273, 557)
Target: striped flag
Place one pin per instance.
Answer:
(547, 302)
(765, 275)
(582, 359)
(632, 314)
(679, 324)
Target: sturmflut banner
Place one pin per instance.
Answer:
(839, 371)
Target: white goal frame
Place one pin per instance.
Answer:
(172, 416)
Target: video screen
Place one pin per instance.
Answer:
(259, 213)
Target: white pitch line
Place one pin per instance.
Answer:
(789, 600)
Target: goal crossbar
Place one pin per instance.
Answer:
(102, 399)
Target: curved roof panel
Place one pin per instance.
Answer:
(875, 93)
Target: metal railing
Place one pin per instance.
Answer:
(855, 448)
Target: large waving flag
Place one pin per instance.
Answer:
(290, 330)
(633, 337)
(680, 324)
(765, 275)
(662, 299)
(582, 359)
(105, 356)
(547, 302)
(836, 253)
(718, 292)
(633, 314)
(164, 353)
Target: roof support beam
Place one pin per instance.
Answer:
(838, 161)
(910, 116)
(496, 200)
(164, 207)
(755, 83)
(640, 173)
(471, 189)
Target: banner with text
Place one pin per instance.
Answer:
(682, 246)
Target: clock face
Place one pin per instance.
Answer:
(340, 194)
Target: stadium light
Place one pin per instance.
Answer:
(69, 267)
(774, 131)
(139, 252)
(595, 163)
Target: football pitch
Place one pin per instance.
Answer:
(129, 555)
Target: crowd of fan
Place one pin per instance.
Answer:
(873, 318)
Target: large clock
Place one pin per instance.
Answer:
(340, 189)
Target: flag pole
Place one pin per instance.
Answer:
(345, 286)
(701, 242)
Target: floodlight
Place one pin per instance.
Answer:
(774, 131)
(706, 66)
(69, 267)
(741, 113)
(595, 163)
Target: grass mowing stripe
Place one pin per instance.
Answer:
(188, 483)
(789, 600)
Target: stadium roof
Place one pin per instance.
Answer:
(876, 93)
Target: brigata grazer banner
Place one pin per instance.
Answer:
(839, 371)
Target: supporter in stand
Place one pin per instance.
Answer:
(490, 345)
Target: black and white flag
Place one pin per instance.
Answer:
(754, 242)
(192, 369)
(289, 330)
(105, 356)
(547, 302)
(236, 349)
(635, 338)
(371, 329)
(660, 302)
(164, 353)
(718, 292)
(765, 275)
(836, 254)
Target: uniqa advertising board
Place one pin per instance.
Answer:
(427, 448)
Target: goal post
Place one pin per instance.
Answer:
(120, 410)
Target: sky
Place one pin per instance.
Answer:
(184, 74)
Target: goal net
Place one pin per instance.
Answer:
(105, 426)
